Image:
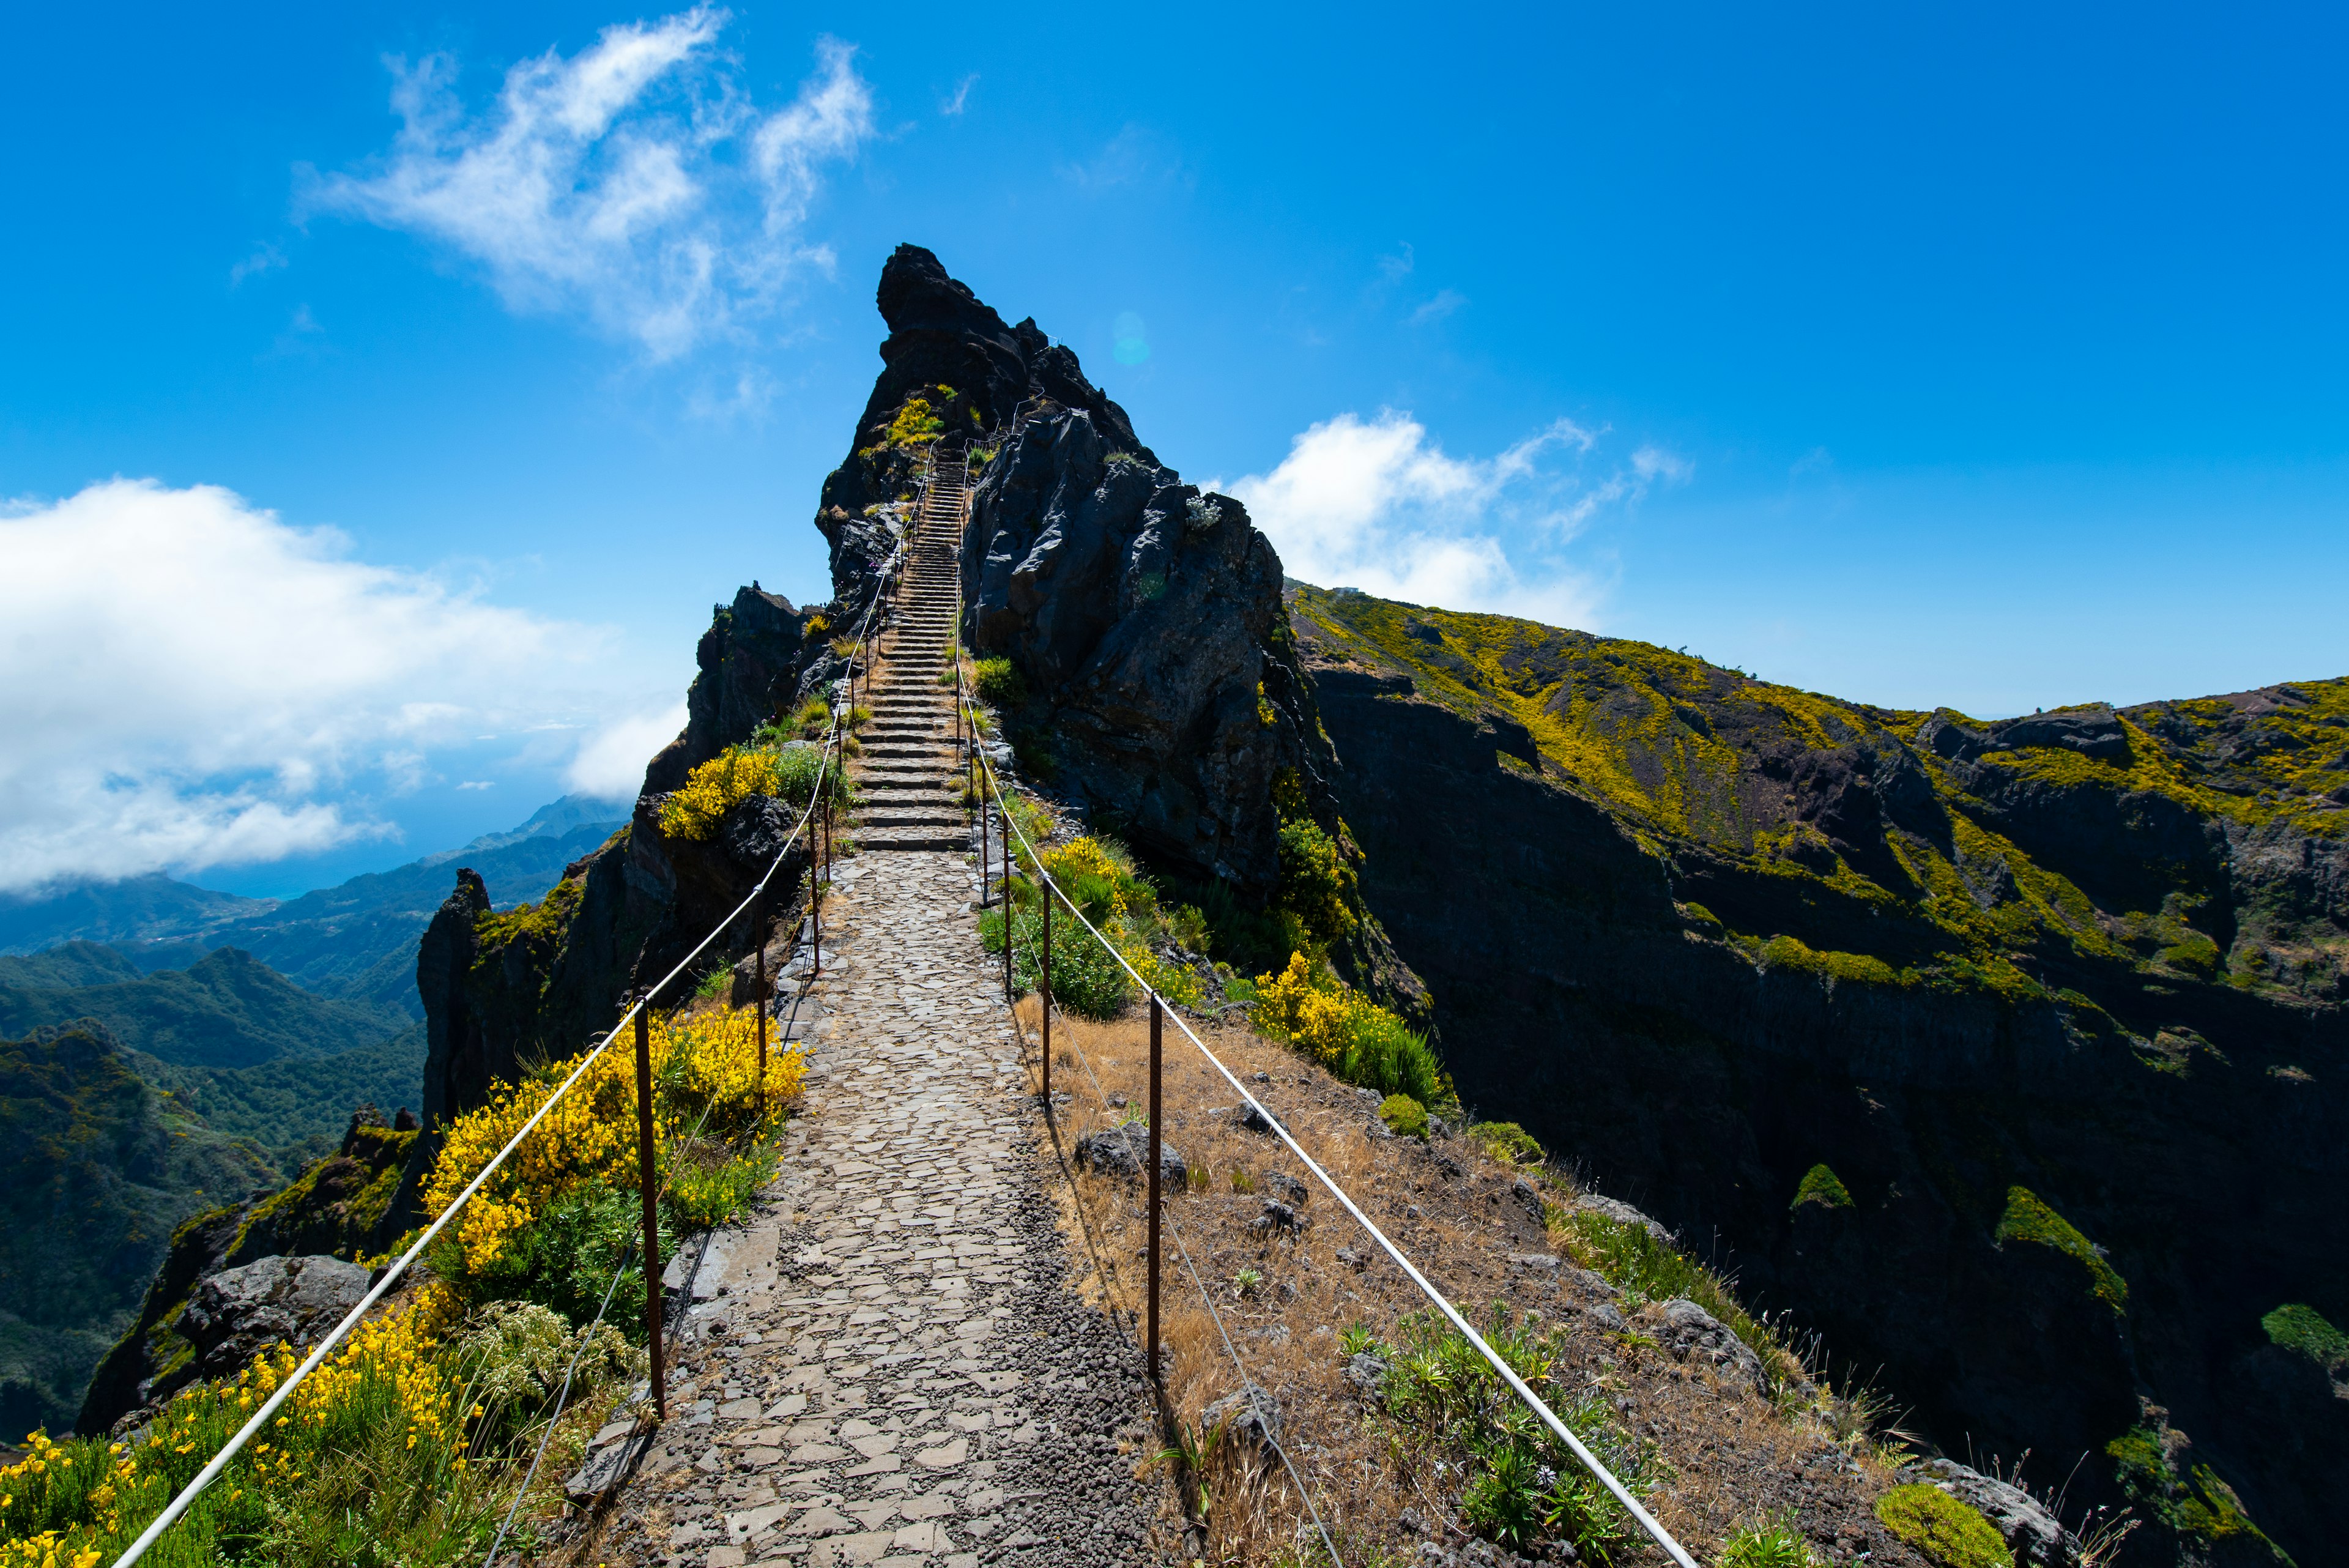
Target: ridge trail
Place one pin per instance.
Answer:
(887, 1363)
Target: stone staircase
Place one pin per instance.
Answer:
(908, 771)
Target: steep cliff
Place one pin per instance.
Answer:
(2010, 1055)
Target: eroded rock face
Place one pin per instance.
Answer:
(239, 1312)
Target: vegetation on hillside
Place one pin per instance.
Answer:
(226, 1008)
(406, 1445)
(1691, 755)
(96, 1168)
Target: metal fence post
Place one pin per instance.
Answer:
(815, 908)
(1045, 989)
(645, 1180)
(1153, 1328)
(1008, 910)
(758, 940)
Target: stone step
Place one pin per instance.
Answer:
(926, 838)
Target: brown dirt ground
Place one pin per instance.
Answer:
(1731, 1456)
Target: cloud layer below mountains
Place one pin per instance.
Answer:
(187, 681)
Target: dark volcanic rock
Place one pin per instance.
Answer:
(1125, 1152)
(236, 1314)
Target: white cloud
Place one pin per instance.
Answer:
(1444, 303)
(961, 100)
(1136, 155)
(634, 181)
(611, 762)
(265, 257)
(186, 681)
(1375, 504)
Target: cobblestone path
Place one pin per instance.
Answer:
(887, 1363)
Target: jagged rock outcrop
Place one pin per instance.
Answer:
(333, 1210)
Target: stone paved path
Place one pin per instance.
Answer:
(888, 1364)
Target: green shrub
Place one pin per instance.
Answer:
(1946, 1530)
(1405, 1117)
(1316, 883)
(1824, 1187)
(1506, 1142)
(1346, 1032)
(565, 1260)
(1775, 1543)
(1087, 979)
(1523, 1486)
(998, 682)
(1188, 927)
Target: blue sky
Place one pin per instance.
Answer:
(1983, 357)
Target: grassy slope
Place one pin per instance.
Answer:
(1685, 754)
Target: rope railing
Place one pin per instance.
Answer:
(391, 1276)
(1549, 1418)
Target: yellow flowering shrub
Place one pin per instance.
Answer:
(1346, 1032)
(716, 787)
(708, 1063)
(386, 1391)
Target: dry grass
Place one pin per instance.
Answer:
(1730, 1455)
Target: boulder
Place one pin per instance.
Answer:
(1125, 1151)
(237, 1313)
(1250, 1421)
(1691, 1332)
(1277, 1216)
(2032, 1532)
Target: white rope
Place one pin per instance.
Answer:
(1590, 1461)
(205, 1478)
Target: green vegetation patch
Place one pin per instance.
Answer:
(2305, 1331)
(1630, 1256)
(998, 680)
(2028, 1218)
(1823, 1186)
(1946, 1530)
(1519, 1485)
(1405, 1117)
(1506, 1142)
(2198, 1504)
(1771, 1543)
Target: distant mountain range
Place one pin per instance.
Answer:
(165, 1048)
(354, 942)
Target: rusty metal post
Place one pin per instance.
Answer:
(815, 906)
(652, 1217)
(758, 940)
(1045, 989)
(1008, 912)
(986, 860)
(1153, 1329)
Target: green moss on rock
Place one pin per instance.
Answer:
(2305, 1331)
(2195, 1503)
(1946, 1530)
(2028, 1218)
(1823, 1186)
